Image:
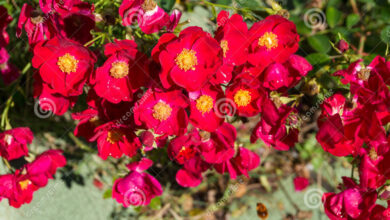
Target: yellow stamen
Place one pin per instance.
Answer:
(67, 63)
(204, 104)
(114, 136)
(364, 74)
(161, 111)
(269, 40)
(242, 98)
(187, 60)
(119, 69)
(225, 47)
(148, 5)
(24, 184)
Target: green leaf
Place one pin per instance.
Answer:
(167, 5)
(385, 35)
(317, 58)
(155, 203)
(320, 43)
(352, 19)
(333, 16)
(224, 2)
(107, 194)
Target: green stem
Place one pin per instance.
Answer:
(89, 43)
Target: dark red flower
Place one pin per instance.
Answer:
(273, 39)
(125, 71)
(185, 151)
(38, 26)
(354, 202)
(241, 164)
(164, 112)
(219, 147)
(278, 126)
(19, 187)
(137, 188)
(5, 19)
(51, 6)
(189, 60)
(77, 21)
(115, 140)
(64, 65)
(150, 17)
(13, 143)
(343, 46)
(205, 114)
(300, 183)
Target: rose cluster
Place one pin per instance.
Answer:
(354, 126)
(179, 98)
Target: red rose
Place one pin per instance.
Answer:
(64, 65)
(125, 71)
(149, 16)
(273, 39)
(137, 188)
(164, 112)
(189, 60)
(13, 143)
(204, 112)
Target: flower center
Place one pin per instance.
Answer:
(225, 47)
(204, 104)
(148, 5)
(95, 120)
(186, 153)
(3, 66)
(187, 60)
(242, 98)
(24, 184)
(67, 63)
(364, 74)
(8, 139)
(119, 69)
(114, 136)
(37, 20)
(373, 154)
(268, 40)
(161, 111)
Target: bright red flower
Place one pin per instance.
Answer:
(189, 60)
(136, 188)
(64, 65)
(300, 183)
(273, 39)
(150, 17)
(278, 126)
(125, 71)
(115, 140)
(164, 112)
(285, 75)
(232, 35)
(241, 164)
(18, 188)
(246, 95)
(37, 26)
(13, 143)
(354, 202)
(205, 114)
